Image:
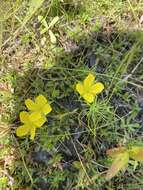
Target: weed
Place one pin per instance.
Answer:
(47, 47)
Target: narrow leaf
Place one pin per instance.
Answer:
(52, 37)
(43, 31)
(54, 21)
(118, 164)
(40, 18)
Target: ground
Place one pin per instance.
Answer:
(70, 150)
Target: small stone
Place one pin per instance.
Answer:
(41, 157)
(91, 60)
(41, 184)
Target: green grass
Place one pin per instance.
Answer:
(69, 151)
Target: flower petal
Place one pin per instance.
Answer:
(40, 121)
(33, 132)
(89, 80)
(24, 116)
(34, 116)
(41, 100)
(47, 109)
(80, 88)
(97, 88)
(30, 104)
(88, 97)
(22, 130)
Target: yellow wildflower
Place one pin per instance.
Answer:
(88, 89)
(40, 105)
(31, 122)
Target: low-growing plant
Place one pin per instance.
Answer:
(48, 28)
(62, 49)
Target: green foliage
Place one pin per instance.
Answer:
(69, 151)
(5, 143)
(3, 182)
(56, 178)
(47, 28)
(33, 7)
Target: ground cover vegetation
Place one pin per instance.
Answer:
(71, 95)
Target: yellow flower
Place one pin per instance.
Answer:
(31, 122)
(40, 105)
(88, 89)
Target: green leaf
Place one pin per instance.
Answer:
(53, 22)
(134, 163)
(43, 31)
(40, 18)
(136, 153)
(118, 164)
(52, 37)
(3, 182)
(43, 22)
(34, 5)
(77, 165)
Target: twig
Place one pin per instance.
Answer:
(135, 68)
